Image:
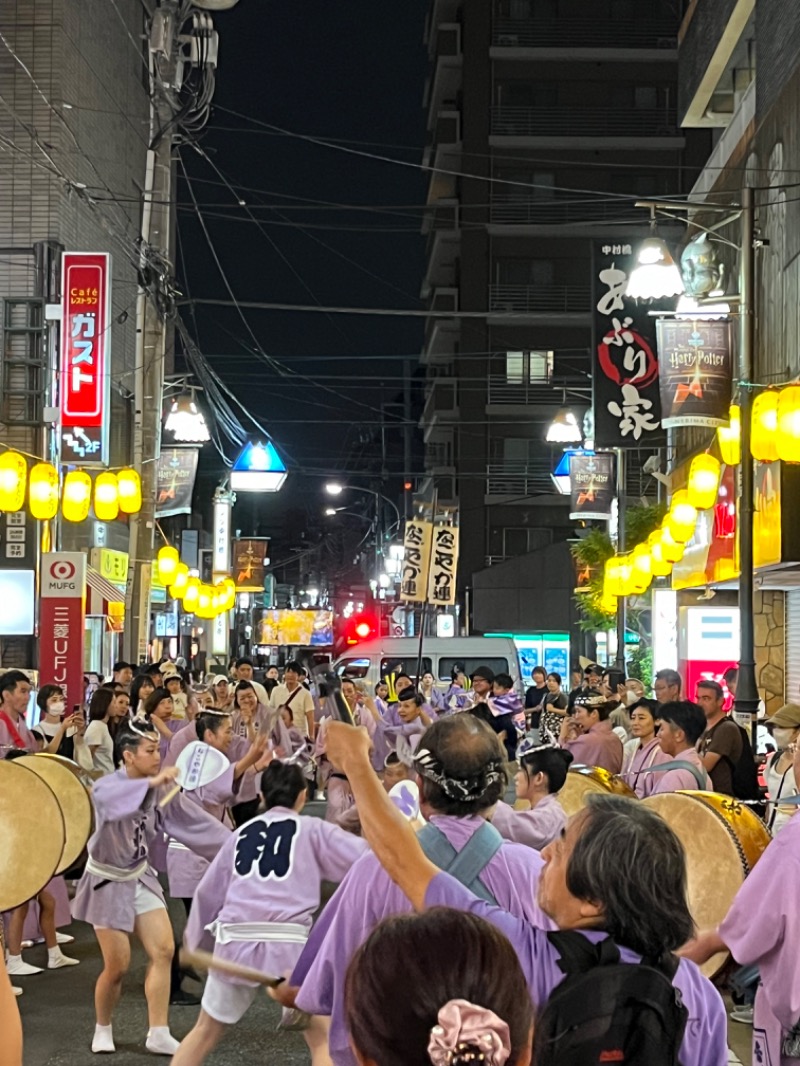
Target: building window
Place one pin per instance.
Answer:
(529, 367)
(534, 272)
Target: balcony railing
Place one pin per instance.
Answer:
(538, 299)
(539, 393)
(508, 209)
(513, 121)
(441, 401)
(518, 477)
(582, 33)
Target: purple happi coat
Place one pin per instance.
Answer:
(185, 869)
(634, 765)
(367, 895)
(269, 871)
(762, 928)
(705, 1040)
(128, 823)
(535, 828)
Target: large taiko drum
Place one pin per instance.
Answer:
(723, 840)
(582, 781)
(32, 834)
(64, 778)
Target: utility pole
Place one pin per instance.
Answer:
(622, 488)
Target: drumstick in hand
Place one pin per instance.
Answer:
(206, 961)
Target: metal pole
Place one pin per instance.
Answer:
(746, 704)
(619, 661)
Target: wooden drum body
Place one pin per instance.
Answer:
(64, 778)
(585, 780)
(723, 840)
(32, 833)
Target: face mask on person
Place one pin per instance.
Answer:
(783, 737)
(57, 707)
(631, 697)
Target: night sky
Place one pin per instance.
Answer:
(350, 72)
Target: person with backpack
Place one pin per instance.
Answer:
(682, 724)
(725, 747)
(606, 985)
(460, 768)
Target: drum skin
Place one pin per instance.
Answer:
(64, 778)
(32, 834)
(585, 780)
(723, 840)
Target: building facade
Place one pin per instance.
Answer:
(739, 67)
(546, 119)
(74, 126)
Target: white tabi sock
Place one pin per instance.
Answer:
(56, 959)
(160, 1041)
(103, 1040)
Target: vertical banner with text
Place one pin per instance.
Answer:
(416, 560)
(627, 408)
(444, 565)
(592, 485)
(85, 378)
(696, 372)
(61, 623)
(175, 476)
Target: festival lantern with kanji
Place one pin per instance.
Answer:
(77, 496)
(729, 438)
(13, 479)
(43, 491)
(763, 438)
(788, 427)
(703, 484)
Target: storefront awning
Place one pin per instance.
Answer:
(103, 598)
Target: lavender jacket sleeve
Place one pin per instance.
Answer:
(117, 796)
(209, 898)
(189, 824)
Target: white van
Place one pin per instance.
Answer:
(374, 659)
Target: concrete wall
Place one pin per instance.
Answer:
(532, 593)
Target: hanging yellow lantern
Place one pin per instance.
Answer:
(613, 584)
(204, 602)
(641, 569)
(130, 491)
(43, 491)
(77, 496)
(191, 595)
(788, 434)
(671, 549)
(681, 518)
(608, 604)
(763, 437)
(180, 582)
(659, 565)
(230, 593)
(106, 497)
(729, 438)
(168, 561)
(703, 485)
(13, 478)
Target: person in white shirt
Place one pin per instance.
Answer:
(97, 737)
(244, 672)
(298, 699)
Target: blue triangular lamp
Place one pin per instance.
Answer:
(258, 468)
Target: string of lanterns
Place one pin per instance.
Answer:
(198, 597)
(111, 494)
(775, 432)
(632, 573)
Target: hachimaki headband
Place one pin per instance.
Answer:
(463, 789)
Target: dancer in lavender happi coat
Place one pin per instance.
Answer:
(542, 773)
(461, 775)
(119, 893)
(255, 904)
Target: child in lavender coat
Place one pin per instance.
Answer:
(255, 903)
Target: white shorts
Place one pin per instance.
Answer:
(146, 900)
(225, 1002)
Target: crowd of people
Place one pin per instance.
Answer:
(498, 909)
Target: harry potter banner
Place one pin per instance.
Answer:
(592, 485)
(695, 371)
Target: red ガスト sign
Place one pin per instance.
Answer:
(84, 357)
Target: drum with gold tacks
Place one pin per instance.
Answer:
(584, 780)
(723, 840)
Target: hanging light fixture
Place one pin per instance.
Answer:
(703, 483)
(729, 438)
(656, 274)
(763, 443)
(191, 595)
(671, 550)
(13, 479)
(180, 582)
(186, 422)
(130, 491)
(660, 566)
(43, 491)
(788, 430)
(77, 496)
(106, 497)
(681, 518)
(564, 429)
(641, 569)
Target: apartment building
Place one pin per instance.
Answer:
(546, 119)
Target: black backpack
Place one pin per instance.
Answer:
(608, 1011)
(745, 772)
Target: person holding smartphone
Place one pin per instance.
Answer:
(54, 722)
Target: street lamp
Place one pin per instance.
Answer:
(334, 488)
(564, 429)
(747, 698)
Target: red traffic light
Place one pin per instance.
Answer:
(363, 630)
(361, 627)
